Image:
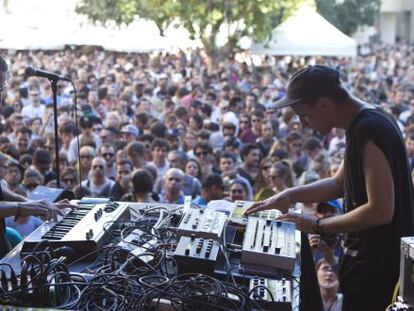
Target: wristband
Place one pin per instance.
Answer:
(318, 226)
(18, 211)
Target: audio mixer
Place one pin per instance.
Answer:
(269, 243)
(196, 255)
(271, 294)
(202, 223)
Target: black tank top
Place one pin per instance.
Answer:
(378, 127)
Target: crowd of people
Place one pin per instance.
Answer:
(159, 127)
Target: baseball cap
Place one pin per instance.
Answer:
(308, 177)
(330, 205)
(131, 129)
(311, 83)
(171, 133)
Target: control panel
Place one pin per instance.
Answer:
(271, 294)
(202, 223)
(269, 243)
(196, 255)
(138, 242)
(240, 208)
(84, 229)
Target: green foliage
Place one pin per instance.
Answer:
(202, 18)
(347, 15)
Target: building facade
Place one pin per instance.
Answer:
(396, 21)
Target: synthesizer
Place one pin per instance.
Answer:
(269, 243)
(83, 229)
(271, 294)
(196, 255)
(238, 216)
(202, 223)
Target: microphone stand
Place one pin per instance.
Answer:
(53, 83)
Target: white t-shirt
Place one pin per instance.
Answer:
(97, 189)
(30, 112)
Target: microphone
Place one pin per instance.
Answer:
(32, 71)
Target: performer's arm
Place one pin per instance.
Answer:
(379, 209)
(9, 195)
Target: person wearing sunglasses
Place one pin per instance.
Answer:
(97, 183)
(173, 187)
(204, 155)
(69, 178)
(108, 153)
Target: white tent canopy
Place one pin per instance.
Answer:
(51, 24)
(307, 33)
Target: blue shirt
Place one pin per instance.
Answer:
(200, 201)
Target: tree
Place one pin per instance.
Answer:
(347, 15)
(202, 18)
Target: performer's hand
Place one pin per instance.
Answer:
(304, 222)
(65, 203)
(40, 208)
(45, 209)
(314, 240)
(280, 201)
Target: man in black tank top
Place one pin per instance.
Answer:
(374, 180)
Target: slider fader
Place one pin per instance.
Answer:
(202, 223)
(269, 243)
(271, 294)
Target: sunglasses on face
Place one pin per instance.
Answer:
(237, 191)
(201, 153)
(69, 180)
(174, 179)
(98, 166)
(31, 186)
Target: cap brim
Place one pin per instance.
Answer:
(285, 102)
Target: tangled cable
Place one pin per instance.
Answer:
(122, 278)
